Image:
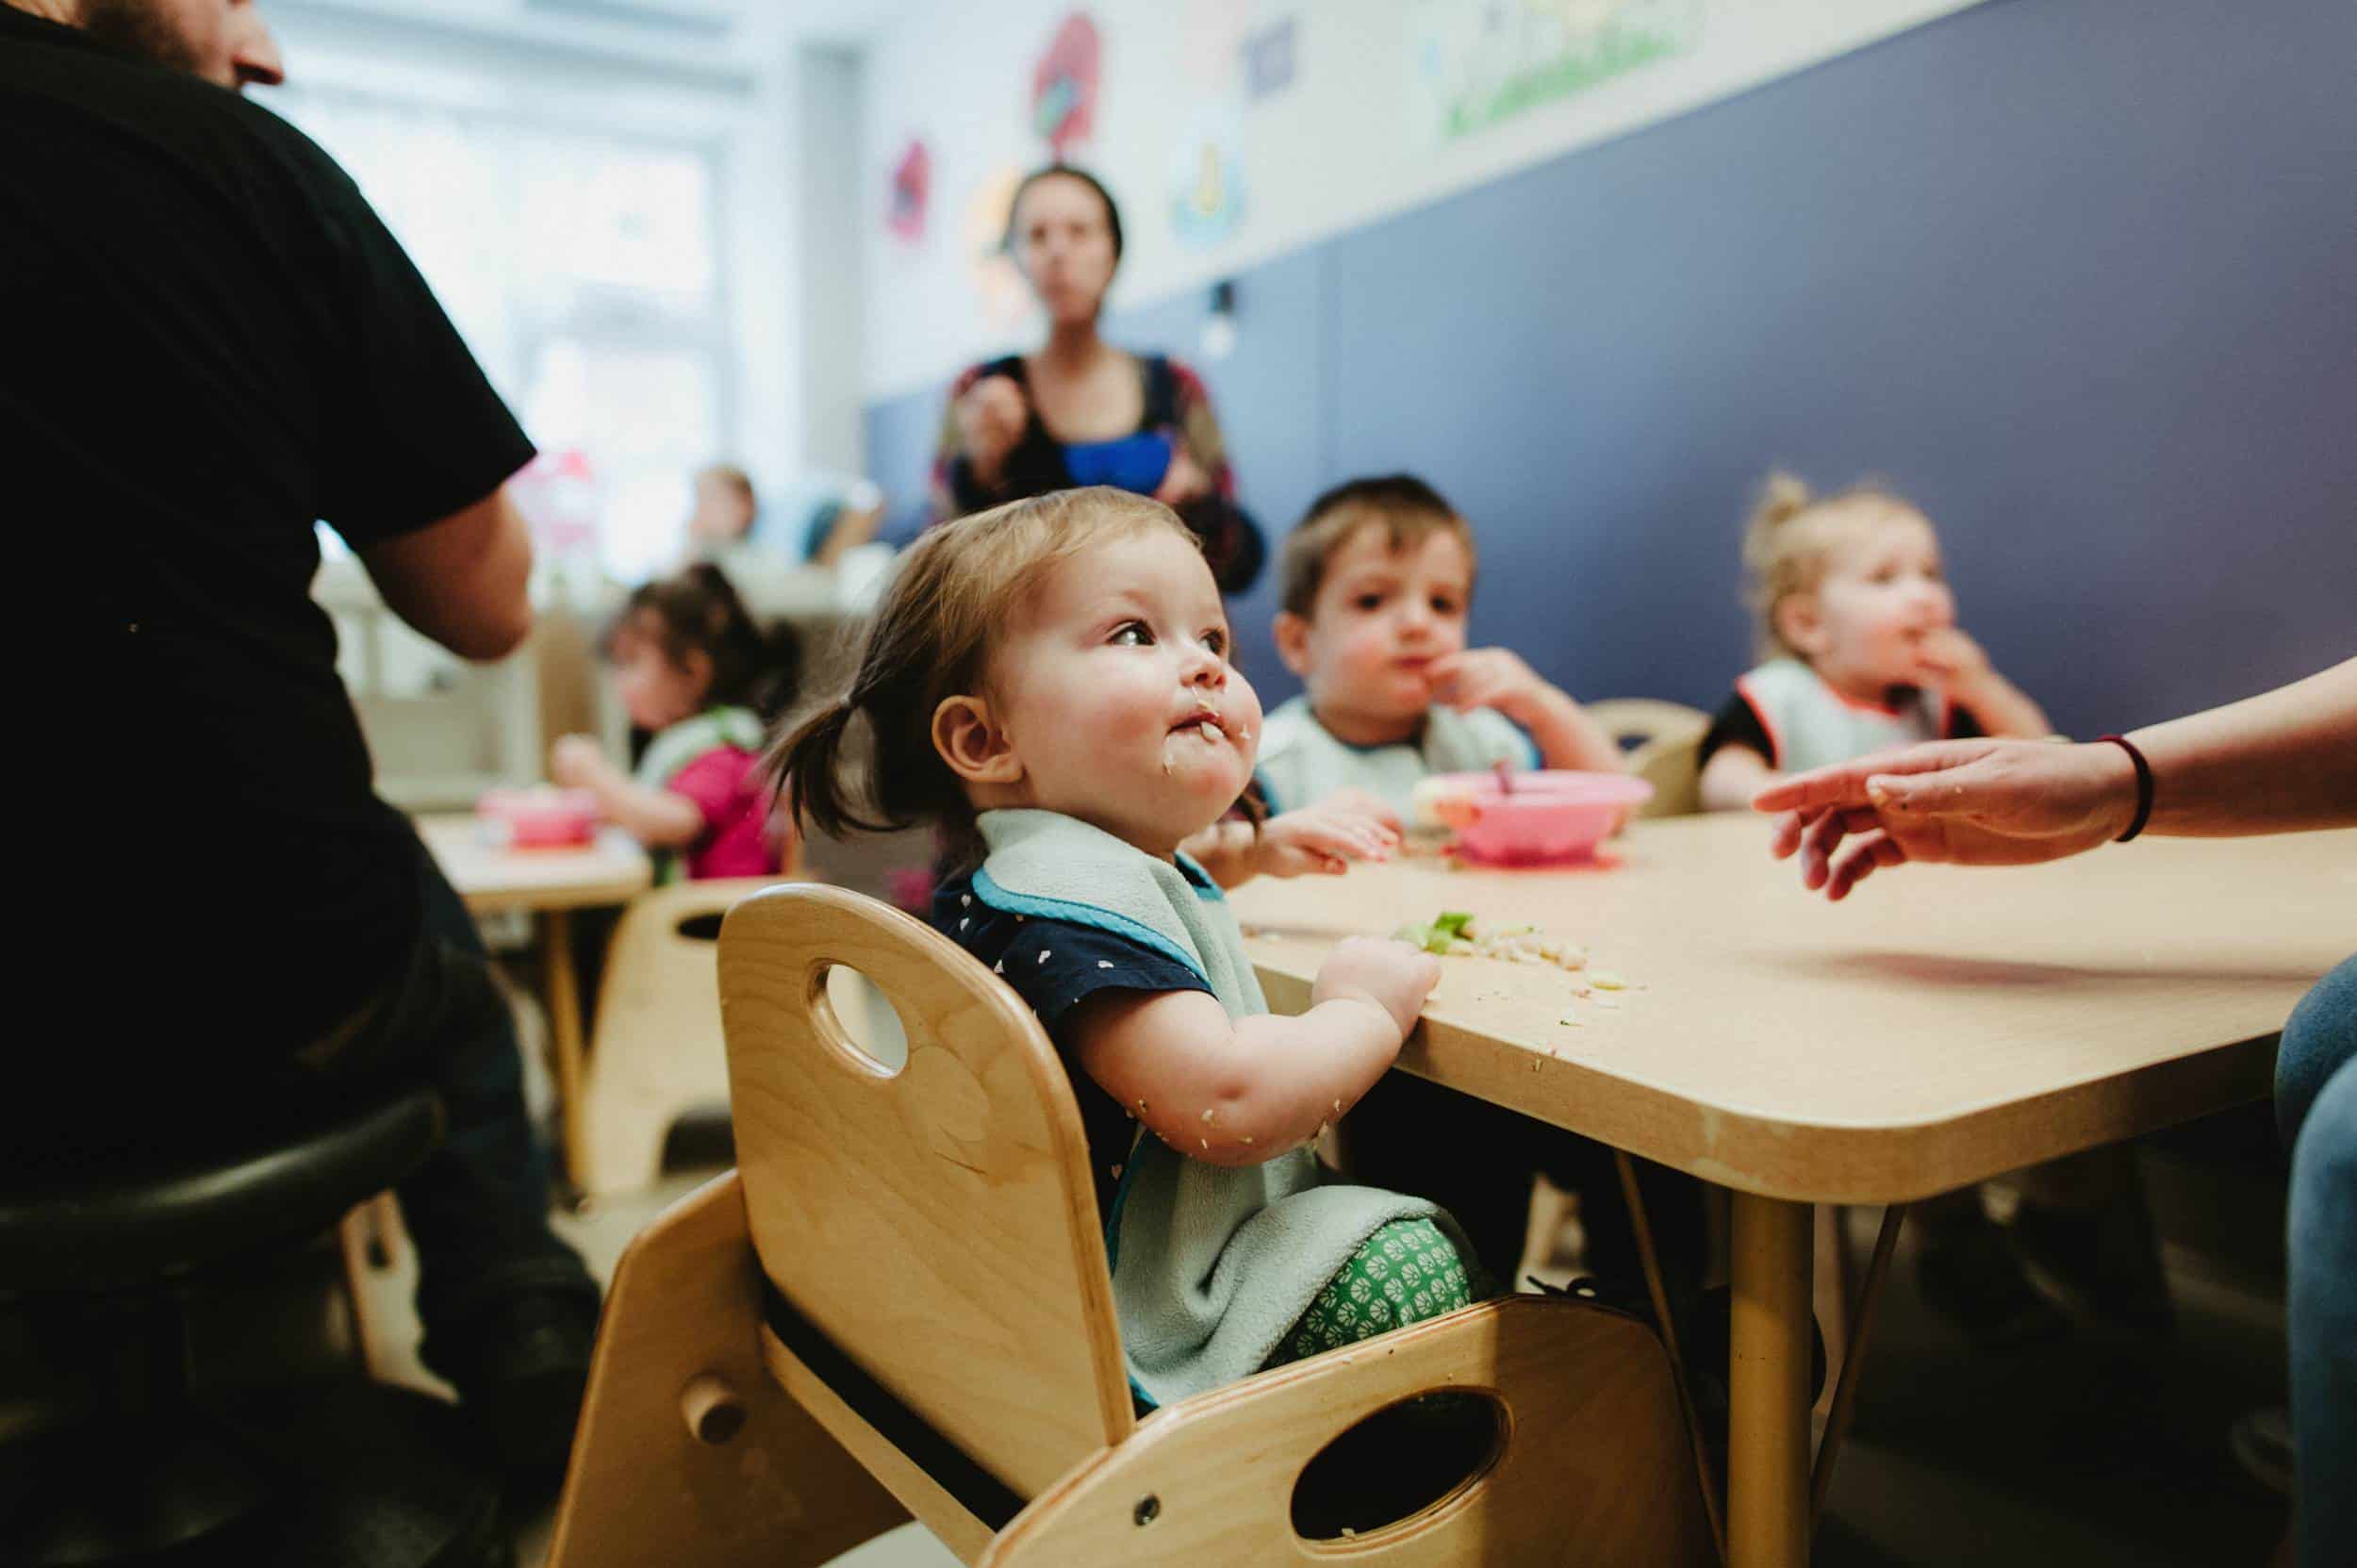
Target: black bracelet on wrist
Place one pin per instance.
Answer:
(2144, 786)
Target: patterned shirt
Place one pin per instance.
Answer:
(1054, 965)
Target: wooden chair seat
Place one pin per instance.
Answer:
(898, 1307)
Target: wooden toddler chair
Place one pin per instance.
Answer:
(898, 1306)
(1667, 739)
(657, 1052)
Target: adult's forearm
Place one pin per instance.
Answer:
(2280, 762)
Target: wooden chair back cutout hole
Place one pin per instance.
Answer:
(700, 928)
(863, 1020)
(1403, 1462)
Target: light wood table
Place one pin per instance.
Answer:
(1942, 1026)
(550, 885)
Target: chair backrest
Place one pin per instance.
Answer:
(937, 1224)
(658, 983)
(1661, 743)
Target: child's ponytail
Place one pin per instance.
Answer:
(807, 770)
(1782, 497)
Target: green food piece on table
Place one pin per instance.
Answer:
(1453, 921)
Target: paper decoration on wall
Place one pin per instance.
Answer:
(1478, 63)
(1005, 297)
(1269, 60)
(1207, 187)
(912, 194)
(1063, 85)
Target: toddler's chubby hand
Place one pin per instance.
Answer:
(576, 761)
(1327, 837)
(991, 416)
(1392, 975)
(1951, 657)
(1364, 804)
(1490, 678)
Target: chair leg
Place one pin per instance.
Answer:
(369, 1237)
(689, 1453)
(1832, 1291)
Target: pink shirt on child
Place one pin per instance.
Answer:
(725, 786)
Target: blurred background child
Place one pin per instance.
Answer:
(1378, 583)
(691, 668)
(1859, 635)
(725, 510)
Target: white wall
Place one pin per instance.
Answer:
(833, 328)
(1343, 145)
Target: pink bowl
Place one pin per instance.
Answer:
(1545, 818)
(537, 818)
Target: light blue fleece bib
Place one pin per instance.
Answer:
(1210, 1263)
(1301, 762)
(1811, 725)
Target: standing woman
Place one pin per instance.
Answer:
(1080, 411)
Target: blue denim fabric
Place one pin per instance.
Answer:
(2315, 1102)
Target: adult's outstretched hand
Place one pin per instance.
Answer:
(1966, 802)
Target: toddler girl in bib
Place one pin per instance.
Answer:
(690, 665)
(1049, 684)
(1860, 646)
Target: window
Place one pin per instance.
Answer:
(584, 270)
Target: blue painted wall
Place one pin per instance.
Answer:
(2080, 278)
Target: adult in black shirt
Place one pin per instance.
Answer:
(211, 341)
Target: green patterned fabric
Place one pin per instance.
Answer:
(1406, 1273)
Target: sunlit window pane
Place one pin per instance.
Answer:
(582, 270)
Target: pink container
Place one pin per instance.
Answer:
(537, 818)
(1545, 818)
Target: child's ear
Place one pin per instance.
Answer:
(697, 666)
(1801, 624)
(1293, 641)
(976, 749)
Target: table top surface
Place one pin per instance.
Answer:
(1940, 1026)
(606, 872)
